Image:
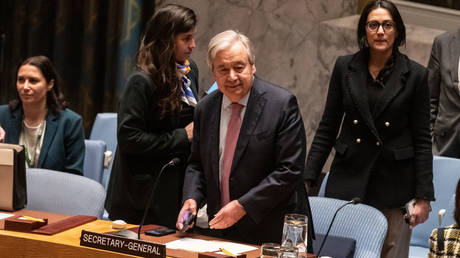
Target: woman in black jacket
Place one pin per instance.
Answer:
(380, 100)
(155, 121)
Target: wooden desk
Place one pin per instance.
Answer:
(67, 243)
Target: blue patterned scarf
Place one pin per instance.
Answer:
(187, 94)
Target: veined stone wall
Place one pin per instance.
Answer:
(296, 41)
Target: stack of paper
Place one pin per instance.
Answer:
(199, 245)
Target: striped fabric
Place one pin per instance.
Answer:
(187, 94)
(365, 224)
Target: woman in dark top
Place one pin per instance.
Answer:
(155, 121)
(380, 100)
(39, 120)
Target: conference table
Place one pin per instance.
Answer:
(67, 243)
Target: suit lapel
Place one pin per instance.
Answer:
(454, 55)
(50, 131)
(194, 87)
(356, 84)
(214, 110)
(393, 86)
(253, 112)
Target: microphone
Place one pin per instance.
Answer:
(173, 162)
(355, 200)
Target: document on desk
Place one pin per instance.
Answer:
(5, 215)
(199, 245)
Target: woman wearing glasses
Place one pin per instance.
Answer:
(379, 100)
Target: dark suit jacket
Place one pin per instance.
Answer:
(266, 174)
(445, 95)
(146, 143)
(63, 146)
(384, 157)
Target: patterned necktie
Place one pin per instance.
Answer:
(187, 94)
(231, 138)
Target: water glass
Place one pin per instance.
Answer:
(288, 252)
(269, 250)
(295, 230)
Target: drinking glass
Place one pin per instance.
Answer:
(288, 252)
(295, 231)
(269, 250)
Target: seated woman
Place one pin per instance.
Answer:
(448, 243)
(38, 119)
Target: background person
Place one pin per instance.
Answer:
(447, 244)
(52, 134)
(380, 99)
(444, 83)
(155, 121)
(248, 150)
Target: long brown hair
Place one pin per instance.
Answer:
(55, 100)
(156, 55)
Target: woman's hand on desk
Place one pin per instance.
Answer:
(2, 135)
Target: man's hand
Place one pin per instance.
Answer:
(188, 209)
(420, 214)
(2, 135)
(228, 215)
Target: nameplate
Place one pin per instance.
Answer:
(122, 244)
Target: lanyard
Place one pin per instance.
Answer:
(31, 162)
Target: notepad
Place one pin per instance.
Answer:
(200, 245)
(5, 215)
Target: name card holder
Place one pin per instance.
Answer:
(17, 223)
(122, 244)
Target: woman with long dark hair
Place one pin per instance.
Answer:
(155, 121)
(379, 100)
(39, 120)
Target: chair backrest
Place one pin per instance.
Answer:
(322, 189)
(212, 88)
(93, 167)
(446, 172)
(60, 192)
(105, 129)
(365, 224)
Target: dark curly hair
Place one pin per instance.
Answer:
(55, 100)
(156, 55)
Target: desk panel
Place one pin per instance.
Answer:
(67, 243)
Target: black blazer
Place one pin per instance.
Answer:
(266, 174)
(445, 94)
(384, 157)
(63, 146)
(146, 143)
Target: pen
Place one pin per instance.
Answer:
(32, 218)
(227, 252)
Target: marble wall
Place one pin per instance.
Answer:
(285, 34)
(297, 42)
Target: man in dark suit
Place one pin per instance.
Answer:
(248, 150)
(443, 80)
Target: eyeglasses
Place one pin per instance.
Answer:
(373, 26)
